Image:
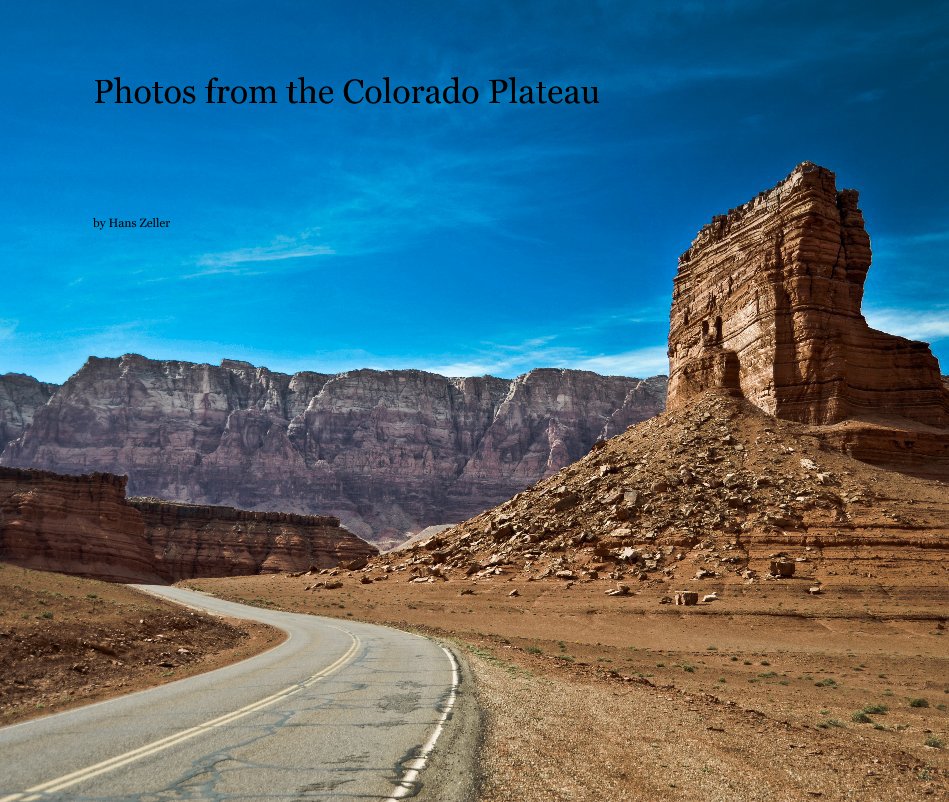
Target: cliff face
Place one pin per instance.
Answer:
(73, 524)
(84, 525)
(20, 397)
(767, 303)
(386, 451)
(192, 541)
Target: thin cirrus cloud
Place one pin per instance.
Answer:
(915, 324)
(512, 360)
(276, 252)
(380, 208)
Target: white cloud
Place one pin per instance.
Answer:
(641, 362)
(512, 360)
(912, 323)
(227, 261)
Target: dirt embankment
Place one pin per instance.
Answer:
(66, 641)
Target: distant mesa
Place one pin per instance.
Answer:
(20, 397)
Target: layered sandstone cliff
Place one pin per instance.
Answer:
(73, 524)
(84, 525)
(386, 451)
(20, 397)
(767, 302)
(190, 540)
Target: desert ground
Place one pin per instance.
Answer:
(768, 693)
(68, 641)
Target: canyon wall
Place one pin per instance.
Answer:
(385, 451)
(766, 303)
(20, 397)
(84, 525)
(190, 540)
(73, 524)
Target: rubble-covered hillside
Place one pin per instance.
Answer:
(715, 489)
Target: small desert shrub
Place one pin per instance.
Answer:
(860, 718)
(918, 703)
(875, 709)
(934, 742)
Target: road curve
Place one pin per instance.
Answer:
(341, 710)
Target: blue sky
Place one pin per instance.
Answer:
(459, 239)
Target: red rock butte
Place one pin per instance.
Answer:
(767, 303)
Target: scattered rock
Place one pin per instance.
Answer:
(783, 569)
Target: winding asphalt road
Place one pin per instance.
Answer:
(341, 710)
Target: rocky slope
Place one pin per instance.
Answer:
(767, 301)
(84, 525)
(765, 319)
(386, 451)
(711, 490)
(20, 397)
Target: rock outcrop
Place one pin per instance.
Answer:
(73, 524)
(84, 525)
(190, 541)
(385, 451)
(20, 397)
(779, 394)
(767, 303)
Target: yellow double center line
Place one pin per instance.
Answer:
(76, 777)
